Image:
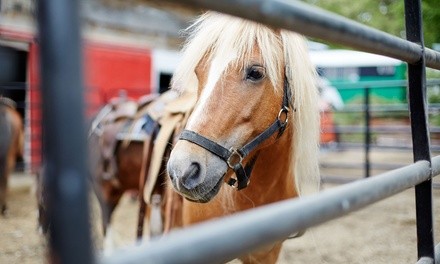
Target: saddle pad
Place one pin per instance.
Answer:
(160, 146)
(174, 117)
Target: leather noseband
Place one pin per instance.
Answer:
(234, 157)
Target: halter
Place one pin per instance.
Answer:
(234, 157)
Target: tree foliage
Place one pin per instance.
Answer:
(386, 15)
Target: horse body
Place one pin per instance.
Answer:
(254, 84)
(115, 167)
(121, 145)
(11, 144)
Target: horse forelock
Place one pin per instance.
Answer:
(215, 35)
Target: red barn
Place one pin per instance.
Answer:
(108, 69)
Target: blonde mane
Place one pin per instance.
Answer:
(282, 51)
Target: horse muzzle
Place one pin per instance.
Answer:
(195, 173)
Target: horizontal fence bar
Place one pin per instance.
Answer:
(396, 108)
(382, 147)
(317, 23)
(435, 166)
(382, 84)
(425, 260)
(383, 129)
(360, 165)
(337, 179)
(246, 231)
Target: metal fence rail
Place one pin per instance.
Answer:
(225, 239)
(219, 242)
(64, 136)
(314, 22)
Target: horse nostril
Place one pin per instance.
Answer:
(191, 177)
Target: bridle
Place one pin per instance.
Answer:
(234, 156)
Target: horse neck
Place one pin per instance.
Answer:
(272, 177)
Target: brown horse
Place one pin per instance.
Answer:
(121, 147)
(115, 167)
(11, 144)
(255, 125)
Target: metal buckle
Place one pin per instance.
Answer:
(285, 110)
(233, 182)
(234, 159)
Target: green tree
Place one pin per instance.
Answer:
(386, 15)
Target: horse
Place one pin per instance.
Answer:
(253, 135)
(11, 144)
(115, 167)
(128, 141)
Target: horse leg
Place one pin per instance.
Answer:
(10, 166)
(3, 182)
(111, 199)
(156, 219)
(3, 188)
(5, 139)
(43, 222)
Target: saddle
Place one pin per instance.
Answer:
(154, 120)
(107, 125)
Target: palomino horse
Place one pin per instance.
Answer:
(255, 125)
(11, 144)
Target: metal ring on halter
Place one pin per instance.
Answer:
(284, 110)
(238, 158)
(235, 183)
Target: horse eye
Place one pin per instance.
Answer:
(255, 73)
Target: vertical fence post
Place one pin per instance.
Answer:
(419, 127)
(367, 131)
(64, 131)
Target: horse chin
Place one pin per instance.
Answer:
(208, 196)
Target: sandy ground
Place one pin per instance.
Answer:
(381, 233)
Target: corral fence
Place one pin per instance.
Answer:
(372, 123)
(226, 239)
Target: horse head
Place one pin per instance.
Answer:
(252, 84)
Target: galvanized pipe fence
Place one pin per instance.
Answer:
(223, 240)
(364, 136)
(64, 136)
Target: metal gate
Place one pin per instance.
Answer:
(64, 142)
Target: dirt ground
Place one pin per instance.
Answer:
(381, 233)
